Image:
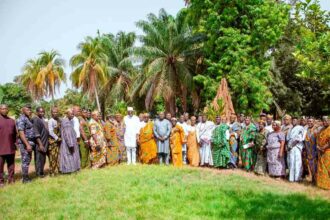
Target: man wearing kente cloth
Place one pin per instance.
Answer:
(84, 145)
(177, 138)
(220, 145)
(54, 127)
(247, 145)
(112, 141)
(323, 165)
(97, 142)
(148, 146)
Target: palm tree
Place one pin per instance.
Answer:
(41, 76)
(51, 74)
(28, 78)
(90, 67)
(167, 48)
(120, 67)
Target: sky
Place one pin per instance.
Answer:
(28, 27)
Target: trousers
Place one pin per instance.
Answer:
(40, 160)
(26, 159)
(164, 157)
(131, 155)
(10, 160)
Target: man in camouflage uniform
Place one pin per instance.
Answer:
(26, 141)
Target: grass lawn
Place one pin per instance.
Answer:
(159, 192)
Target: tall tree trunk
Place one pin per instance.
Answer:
(170, 105)
(97, 99)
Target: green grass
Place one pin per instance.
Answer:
(155, 192)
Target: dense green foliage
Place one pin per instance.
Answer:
(239, 34)
(157, 192)
(272, 53)
(15, 96)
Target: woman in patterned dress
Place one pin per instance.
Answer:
(275, 151)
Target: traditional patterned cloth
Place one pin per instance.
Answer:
(69, 150)
(120, 131)
(286, 128)
(192, 146)
(148, 146)
(323, 165)
(234, 132)
(112, 143)
(311, 151)
(54, 127)
(83, 147)
(177, 138)
(247, 154)
(260, 149)
(98, 145)
(220, 146)
(205, 134)
(276, 164)
(295, 144)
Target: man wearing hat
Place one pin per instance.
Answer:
(132, 126)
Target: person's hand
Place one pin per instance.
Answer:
(251, 144)
(28, 148)
(41, 148)
(71, 149)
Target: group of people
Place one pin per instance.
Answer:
(292, 147)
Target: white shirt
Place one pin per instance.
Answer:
(132, 128)
(269, 128)
(185, 127)
(76, 126)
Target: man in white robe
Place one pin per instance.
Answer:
(205, 129)
(295, 138)
(132, 129)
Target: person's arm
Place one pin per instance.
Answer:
(20, 124)
(281, 153)
(51, 130)
(168, 132)
(76, 126)
(83, 135)
(156, 132)
(37, 128)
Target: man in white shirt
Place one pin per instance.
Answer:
(76, 124)
(132, 129)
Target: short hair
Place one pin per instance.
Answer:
(295, 117)
(287, 116)
(262, 122)
(277, 122)
(95, 112)
(39, 108)
(3, 106)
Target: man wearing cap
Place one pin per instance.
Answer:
(132, 126)
(26, 141)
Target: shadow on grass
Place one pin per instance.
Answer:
(277, 206)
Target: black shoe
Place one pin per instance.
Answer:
(26, 179)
